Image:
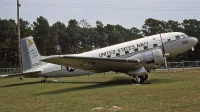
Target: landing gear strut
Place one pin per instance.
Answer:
(21, 77)
(139, 79)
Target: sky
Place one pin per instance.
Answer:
(127, 13)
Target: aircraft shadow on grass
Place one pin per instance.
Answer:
(114, 82)
(117, 81)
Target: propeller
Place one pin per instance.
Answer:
(164, 53)
(192, 48)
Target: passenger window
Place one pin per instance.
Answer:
(155, 45)
(109, 56)
(117, 54)
(136, 49)
(145, 47)
(126, 52)
(169, 39)
(177, 37)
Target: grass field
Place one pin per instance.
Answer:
(164, 91)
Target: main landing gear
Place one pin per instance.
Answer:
(139, 79)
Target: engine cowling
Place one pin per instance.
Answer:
(154, 56)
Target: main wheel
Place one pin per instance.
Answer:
(138, 79)
(145, 77)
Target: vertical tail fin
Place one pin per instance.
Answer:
(30, 54)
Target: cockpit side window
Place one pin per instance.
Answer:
(177, 37)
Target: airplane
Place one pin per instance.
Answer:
(135, 58)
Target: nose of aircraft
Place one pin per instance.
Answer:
(193, 41)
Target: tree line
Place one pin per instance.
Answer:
(80, 36)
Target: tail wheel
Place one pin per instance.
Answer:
(41, 80)
(21, 77)
(44, 80)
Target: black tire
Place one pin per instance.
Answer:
(139, 81)
(134, 82)
(146, 77)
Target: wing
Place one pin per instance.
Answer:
(27, 74)
(93, 64)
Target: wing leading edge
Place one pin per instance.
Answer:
(94, 64)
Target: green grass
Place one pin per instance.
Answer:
(164, 91)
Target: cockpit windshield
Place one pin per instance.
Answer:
(183, 35)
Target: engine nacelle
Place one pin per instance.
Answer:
(154, 56)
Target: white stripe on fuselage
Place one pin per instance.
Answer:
(134, 46)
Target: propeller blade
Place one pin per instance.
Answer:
(164, 54)
(165, 61)
(192, 48)
(162, 46)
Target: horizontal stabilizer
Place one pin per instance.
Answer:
(27, 74)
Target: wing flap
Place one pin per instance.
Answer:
(91, 63)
